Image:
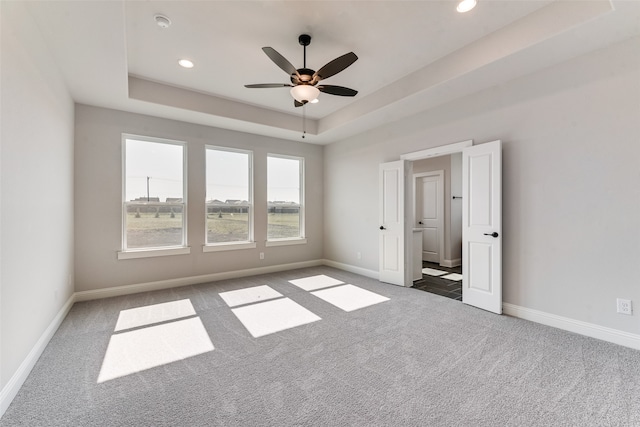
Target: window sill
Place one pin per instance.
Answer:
(231, 246)
(286, 242)
(151, 253)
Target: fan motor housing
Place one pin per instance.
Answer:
(306, 76)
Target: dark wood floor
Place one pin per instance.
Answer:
(438, 285)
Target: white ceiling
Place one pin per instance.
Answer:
(413, 55)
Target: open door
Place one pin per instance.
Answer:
(482, 226)
(393, 268)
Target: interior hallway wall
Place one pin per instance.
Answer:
(571, 182)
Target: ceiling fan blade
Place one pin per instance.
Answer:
(280, 61)
(268, 85)
(335, 66)
(337, 90)
(297, 104)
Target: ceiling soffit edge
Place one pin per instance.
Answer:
(172, 96)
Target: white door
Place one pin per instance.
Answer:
(392, 229)
(482, 226)
(430, 204)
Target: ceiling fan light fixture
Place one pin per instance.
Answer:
(305, 93)
(466, 5)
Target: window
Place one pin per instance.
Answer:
(229, 196)
(285, 197)
(154, 205)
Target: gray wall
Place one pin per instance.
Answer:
(571, 182)
(36, 227)
(98, 186)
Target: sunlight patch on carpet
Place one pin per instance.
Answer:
(349, 297)
(249, 295)
(312, 283)
(146, 348)
(156, 313)
(273, 316)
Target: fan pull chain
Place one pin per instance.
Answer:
(304, 119)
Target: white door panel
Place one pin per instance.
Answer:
(391, 196)
(391, 245)
(430, 199)
(482, 226)
(480, 257)
(430, 240)
(480, 178)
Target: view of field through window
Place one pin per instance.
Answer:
(284, 196)
(154, 210)
(228, 199)
(154, 188)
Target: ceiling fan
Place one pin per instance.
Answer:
(304, 81)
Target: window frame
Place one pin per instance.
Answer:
(301, 238)
(250, 243)
(152, 251)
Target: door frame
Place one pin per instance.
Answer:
(491, 182)
(441, 202)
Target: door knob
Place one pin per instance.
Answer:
(494, 234)
(382, 227)
(419, 222)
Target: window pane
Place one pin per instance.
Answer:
(283, 195)
(228, 196)
(154, 225)
(153, 170)
(154, 189)
(283, 222)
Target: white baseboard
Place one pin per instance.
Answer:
(450, 263)
(583, 328)
(192, 280)
(10, 390)
(352, 269)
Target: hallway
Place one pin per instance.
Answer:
(439, 280)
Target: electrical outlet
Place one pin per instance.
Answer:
(261, 255)
(358, 255)
(624, 306)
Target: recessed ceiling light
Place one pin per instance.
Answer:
(185, 63)
(162, 21)
(466, 5)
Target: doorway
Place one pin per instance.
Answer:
(481, 219)
(438, 213)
